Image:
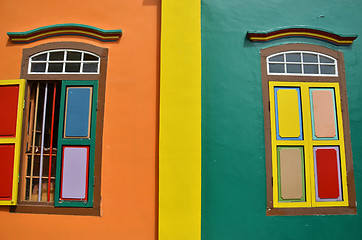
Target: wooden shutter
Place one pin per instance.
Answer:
(76, 144)
(11, 115)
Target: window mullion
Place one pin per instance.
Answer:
(308, 145)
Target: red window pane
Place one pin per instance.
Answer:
(8, 110)
(6, 170)
(327, 173)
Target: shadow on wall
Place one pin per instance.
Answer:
(151, 2)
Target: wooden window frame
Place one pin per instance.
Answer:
(340, 79)
(48, 208)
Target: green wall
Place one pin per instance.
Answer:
(233, 154)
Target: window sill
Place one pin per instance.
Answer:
(311, 211)
(48, 208)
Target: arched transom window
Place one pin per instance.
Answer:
(302, 63)
(64, 61)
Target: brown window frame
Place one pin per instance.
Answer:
(264, 53)
(48, 208)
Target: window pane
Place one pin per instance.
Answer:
(325, 60)
(55, 67)
(291, 181)
(327, 69)
(88, 57)
(278, 58)
(293, 57)
(72, 67)
(56, 56)
(75, 172)
(328, 177)
(311, 69)
(276, 68)
(312, 58)
(77, 118)
(38, 67)
(74, 56)
(90, 67)
(41, 57)
(294, 68)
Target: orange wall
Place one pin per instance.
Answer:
(129, 163)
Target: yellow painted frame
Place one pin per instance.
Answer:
(180, 122)
(16, 140)
(307, 143)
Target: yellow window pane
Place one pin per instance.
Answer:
(288, 113)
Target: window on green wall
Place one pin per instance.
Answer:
(61, 141)
(308, 148)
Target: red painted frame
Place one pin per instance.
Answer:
(61, 180)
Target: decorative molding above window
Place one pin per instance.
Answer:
(64, 62)
(336, 39)
(302, 63)
(65, 29)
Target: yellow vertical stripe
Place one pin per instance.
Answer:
(180, 122)
(288, 111)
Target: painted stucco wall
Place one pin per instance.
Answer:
(233, 154)
(129, 166)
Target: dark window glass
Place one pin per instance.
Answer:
(327, 69)
(294, 68)
(310, 58)
(311, 69)
(90, 67)
(38, 67)
(41, 57)
(72, 67)
(55, 67)
(74, 56)
(278, 58)
(276, 68)
(88, 57)
(325, 60)
(56, 56)
(293, 57)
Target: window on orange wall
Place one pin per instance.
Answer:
(61, 141)
(308, 148)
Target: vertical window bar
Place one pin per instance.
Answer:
(33, 144)
(42, 142)
(285, 62)
(64, 60)
(47, 62)
(51, 141)
(81, 63)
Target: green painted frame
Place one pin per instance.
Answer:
(302, 199)
(62, 142)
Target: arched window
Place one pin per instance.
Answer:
(64, 61)
(302, 63)
(308, 148)
(60, 157)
